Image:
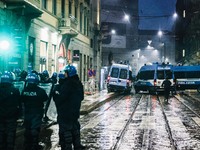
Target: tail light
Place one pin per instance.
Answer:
(108, 78)
(128, 82)
(174, 81)
(154, 82)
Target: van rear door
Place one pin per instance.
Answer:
(122, 81)
(118, 76)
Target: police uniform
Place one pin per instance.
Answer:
(33, 98)
(68, 104)
(167, 84)
(9, 110)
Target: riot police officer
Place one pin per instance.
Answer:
(33, 98)
(45, 77)
(9, 110)
(68, 105)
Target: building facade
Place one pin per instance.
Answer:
(49, 34)
(119, 27)
(188, 32)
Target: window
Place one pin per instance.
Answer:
(114, 72)
(168, 73)
(44, 4)
(63, 8)
(183, 53)
(85, 23)
(123, 74)
(145, 75)
(160, 74)
(54, 55)
(81, 19)
(53, 51)
(183, 13)
(70, 7)
(54, 7)
(43, 55)
(76, 12)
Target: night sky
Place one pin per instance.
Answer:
(156, 14)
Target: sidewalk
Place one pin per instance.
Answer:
(89, 103)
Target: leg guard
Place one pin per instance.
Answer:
(76, 136)
(11, 132)
(27, 139)
(66, 144)
(35, 138)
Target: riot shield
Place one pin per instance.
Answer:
(46, 86)
(19, 85)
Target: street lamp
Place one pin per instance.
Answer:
(175, 15)
(113, 31)
(4, 45)
(126, 17)
(160, 34)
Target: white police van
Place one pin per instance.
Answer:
(119, 78)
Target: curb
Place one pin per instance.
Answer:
(96, 105)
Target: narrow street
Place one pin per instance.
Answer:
(136, 121)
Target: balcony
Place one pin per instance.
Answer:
(68, 25)
(29, 8)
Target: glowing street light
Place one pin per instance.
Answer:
(126, 17)
(160, 33)
(175, 15)
(4, 45)
(113, 31)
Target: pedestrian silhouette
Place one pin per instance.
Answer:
(167, 86)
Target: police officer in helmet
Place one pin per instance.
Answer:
(9, 111)
(68, 105)
(33, 98)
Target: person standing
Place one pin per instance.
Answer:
(68, 103)
(9, 111)
(167, 85)
(33, 98)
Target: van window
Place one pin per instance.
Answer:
(168, 74)
(123, 74)
(160, 74)
(114, 72)
(188, 74)
(145, 75)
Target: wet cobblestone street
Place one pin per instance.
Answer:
(140, 121)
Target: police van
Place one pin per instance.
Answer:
(187, 77)
(150, 77)
(119, 78)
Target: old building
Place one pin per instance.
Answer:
(188, 32)
(48, 34)
(119, 30)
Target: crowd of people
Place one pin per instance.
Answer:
(33, 102)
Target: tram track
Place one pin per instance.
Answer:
(186, 96)
(185, 110)
(97, 120)
(146, 134)
(174, 146)
(123, 131)
(112, 103)
(148, 124)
